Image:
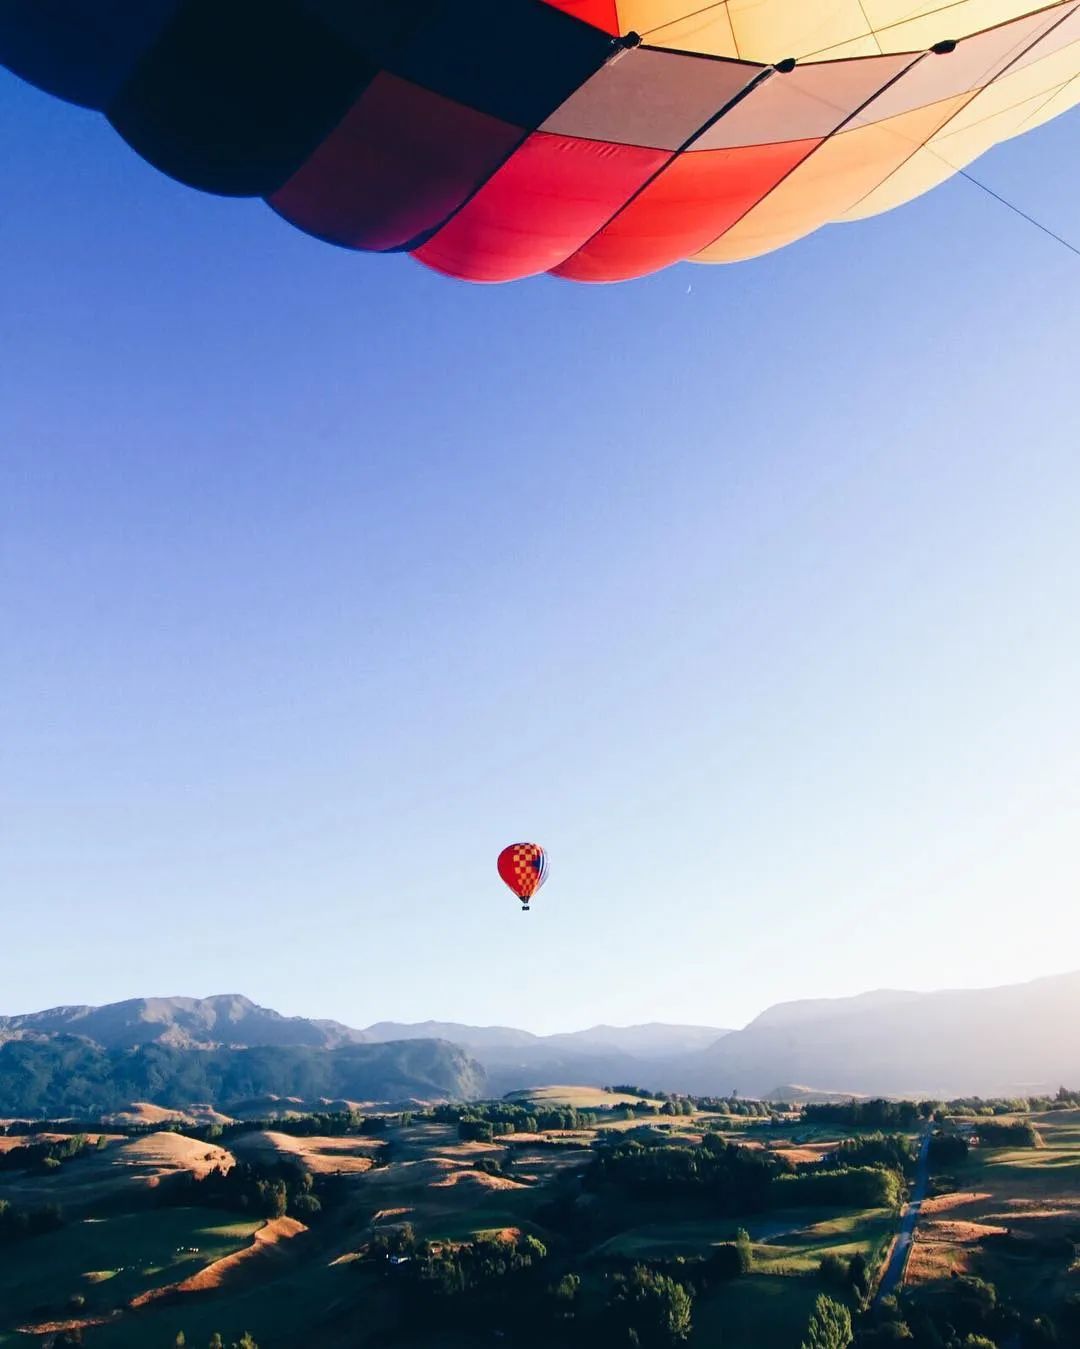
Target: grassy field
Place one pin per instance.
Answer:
(579, 1098)
(110, 1260)
(320, 1287)
(800, 1250)
(279, 1313)
(1032, 1193)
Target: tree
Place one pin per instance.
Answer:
(830, 1326)
(654, 1308)
(859, 1274)
(181, 1340)
(832, 1269)
(216, 1341)
(893, 1332)
(745, 1249)
(564, 1296)
(305, 1207)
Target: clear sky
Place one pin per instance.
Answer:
(750, 592)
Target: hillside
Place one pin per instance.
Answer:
(1018, 1039)
(64, 1075)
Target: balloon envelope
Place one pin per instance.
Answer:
(524, 867)
(494, 139)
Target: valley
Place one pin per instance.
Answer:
(561, 1214)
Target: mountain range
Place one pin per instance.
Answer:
(599, 1056)
(1018, 1039)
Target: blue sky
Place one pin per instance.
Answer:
(749, 592)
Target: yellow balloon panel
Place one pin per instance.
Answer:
(902, 26)
(772, 30)
(1013, 104)
(687, 27)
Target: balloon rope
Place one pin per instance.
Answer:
(1016, 210)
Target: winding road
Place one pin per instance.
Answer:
(909, 1220)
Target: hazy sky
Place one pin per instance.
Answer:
(751, 593)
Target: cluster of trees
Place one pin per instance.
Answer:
(19, 1223)
(1019, 1134)
(729, 1178)
(332, 1124)
(508, 1117)
(895, 1151)
(487, 1284)
(986, 1106)
(839, 1187)
(947, 1149)
(967, 1312)
(734, 1180)
(501, 1287)
(735, 1105)
(265, 1191)
(49, 1154)
(686, 1105)
(877, 1114)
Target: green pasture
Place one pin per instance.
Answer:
(108, 1261)
(280, 1313)
(785, 1243)
(799, 1251)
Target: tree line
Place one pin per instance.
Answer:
(734, 1180)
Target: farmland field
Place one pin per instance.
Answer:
(109, 1261)
(132, 1268)
(1026, 1196)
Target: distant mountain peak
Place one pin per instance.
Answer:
(225, 1019)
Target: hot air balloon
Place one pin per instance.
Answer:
(524, 868)
(596, 139)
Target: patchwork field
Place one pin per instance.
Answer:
(1009, 1207)
(130, 1270)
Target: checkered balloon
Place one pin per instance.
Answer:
(524, 867)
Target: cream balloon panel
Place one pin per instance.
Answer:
(842, 171)
(875, 163)
(772, 30)
(1015, 103)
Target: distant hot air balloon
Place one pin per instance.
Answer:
(524, 867)
(596, 139)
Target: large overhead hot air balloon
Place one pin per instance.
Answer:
(596, 139)
(524, 868)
